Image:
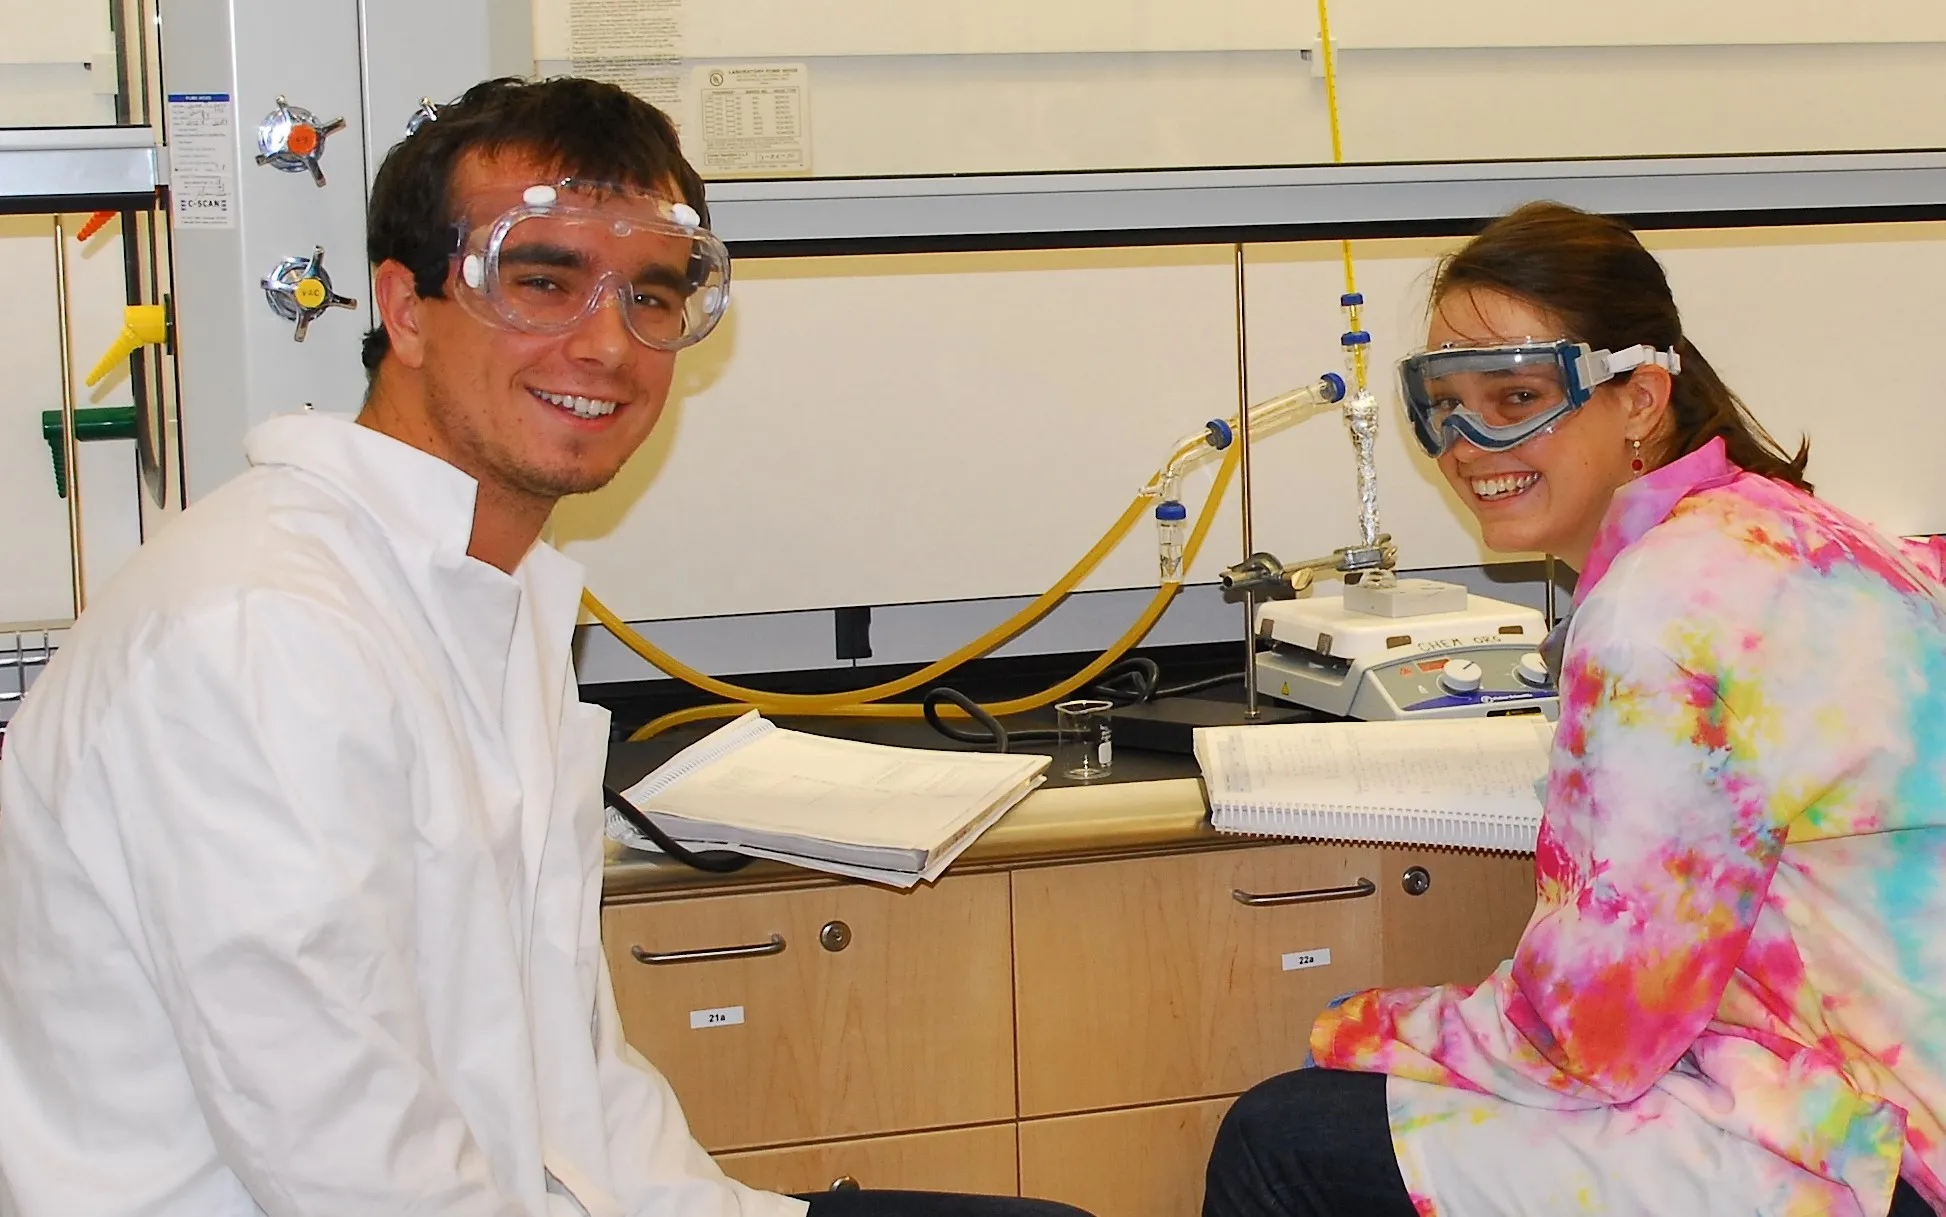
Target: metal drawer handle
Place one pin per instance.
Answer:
(774, 947)
(1317, 895)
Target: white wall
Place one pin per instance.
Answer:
(911, 428)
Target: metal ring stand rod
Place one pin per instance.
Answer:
(70, 445)
(1250, 711)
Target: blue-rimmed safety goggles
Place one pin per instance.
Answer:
(1500, 396)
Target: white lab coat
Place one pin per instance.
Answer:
(300, 867)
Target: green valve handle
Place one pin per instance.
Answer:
(95, 422)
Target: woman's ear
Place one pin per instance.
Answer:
(1646, 395)
(401, 311)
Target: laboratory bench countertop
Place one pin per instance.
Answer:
(1152, 802)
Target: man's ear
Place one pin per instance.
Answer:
(401, 310)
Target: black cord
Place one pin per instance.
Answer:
(1196, 686)
(1137, 671)
(997, 736)
(716, 861)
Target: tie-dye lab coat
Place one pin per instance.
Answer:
(1732, 994)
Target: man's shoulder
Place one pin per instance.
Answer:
(273, 531)
(270, 547)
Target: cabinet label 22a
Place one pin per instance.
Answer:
(1317, 957)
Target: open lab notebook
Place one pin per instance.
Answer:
(891, 815)
(1474, 783)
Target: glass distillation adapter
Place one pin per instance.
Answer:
(1378, 646)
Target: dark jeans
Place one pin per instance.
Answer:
(1316, 1143)
(930, 1204)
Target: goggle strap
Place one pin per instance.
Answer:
(1618, 362)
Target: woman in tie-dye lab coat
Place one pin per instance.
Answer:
(1732, 996)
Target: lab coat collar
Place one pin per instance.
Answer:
(416, 496)
(1647, 502)
(425, 507)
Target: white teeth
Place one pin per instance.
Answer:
(1505, 485)
(581, 407)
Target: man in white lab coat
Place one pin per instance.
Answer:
(300, 833)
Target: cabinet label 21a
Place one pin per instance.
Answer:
(722, 1016)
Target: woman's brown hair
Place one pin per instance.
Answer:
(1591, 273)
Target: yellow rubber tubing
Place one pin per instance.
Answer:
(805, 703)
(794, 704)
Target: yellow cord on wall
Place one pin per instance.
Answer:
(1330, 55)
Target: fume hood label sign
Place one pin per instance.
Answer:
(754, 120)
(202, 160)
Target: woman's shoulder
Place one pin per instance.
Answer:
(1758, 521)
(1746, 549)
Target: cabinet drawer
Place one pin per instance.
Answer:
(1143, 1162)
(909, 1026)
(1465, 923)
(976, 1160)
(1147, 981)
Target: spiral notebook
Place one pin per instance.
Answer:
(1475, 783)
(869, 811)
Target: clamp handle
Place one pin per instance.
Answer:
(91, 423)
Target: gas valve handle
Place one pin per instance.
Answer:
(299, 290)
(292, 139)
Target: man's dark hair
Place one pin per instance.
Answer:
(581, 128)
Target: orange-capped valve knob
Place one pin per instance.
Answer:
(292, 139)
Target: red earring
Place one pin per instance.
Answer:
(1636, 463)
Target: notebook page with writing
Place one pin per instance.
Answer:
(1464, 782)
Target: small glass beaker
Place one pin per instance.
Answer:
(1086, 749)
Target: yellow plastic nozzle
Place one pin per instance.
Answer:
(142, 325)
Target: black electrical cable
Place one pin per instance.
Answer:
(1195, 686)
(997, 737)
(716, 861)
(1139, 671)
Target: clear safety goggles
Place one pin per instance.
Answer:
(547, 264)
(1497, 397)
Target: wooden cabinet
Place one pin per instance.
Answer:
(1146, 994)
(976, 1160)
(1142, 1162)
(1148, 980)
(1465, 922)
(908, 1025)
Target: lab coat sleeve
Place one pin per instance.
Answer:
(658, 1167)
(1692, 734)
(256, 773)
